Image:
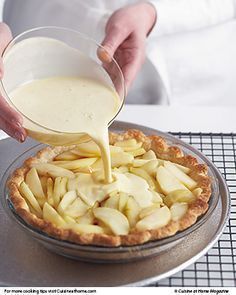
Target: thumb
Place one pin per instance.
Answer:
(115, 36)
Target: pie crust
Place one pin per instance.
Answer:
(162, 150)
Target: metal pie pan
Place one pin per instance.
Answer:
(113, 254)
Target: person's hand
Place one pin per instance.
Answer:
(126, 33)
(10, 120)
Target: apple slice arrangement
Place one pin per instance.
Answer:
(48, 191)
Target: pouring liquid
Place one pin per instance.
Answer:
(74, 107)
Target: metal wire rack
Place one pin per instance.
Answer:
(218, 267)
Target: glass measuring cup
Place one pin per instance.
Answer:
(53, 52)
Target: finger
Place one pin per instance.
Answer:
(131, 68)
(12, 130)
(115, 36)
(104, 55)
(9, 114)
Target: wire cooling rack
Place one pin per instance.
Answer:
(218, 267)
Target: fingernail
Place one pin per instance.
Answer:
(104, 55)
(16, 123)
(19, 136)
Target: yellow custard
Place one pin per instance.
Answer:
(91, 190)
(71, 106)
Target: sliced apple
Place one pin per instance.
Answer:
(82, 154)
(132, 148)
(176, 196)
(150, 155)
(32, 210)
(156, 197)
(121, 169)
(137, 163)
(115, 149)
(106, 229)
(92, 193)
(123, 198)
(98, 165)
(87, 170)
(46, 169)
(178, 210)
(186, 170)
(149, 210)
(77, 164)
(142, 173)
(29, 196)
(161, 162)
(137, 152)
(98, 175)
(126, 143)
(64, 181)
(33, 182)
(41, 201)
(167, 181)
(180, 175)
(87, 218)
(59, 190)
(67, 199)
(89, 147)
(112, 202)
(86, 228)
(69, 219)
(95, 205)
(151, 167)
(66, 156)
(50, 185)
(43, 180)
(197, 191)
(77, 208)
(159, 218)
(121, 159)
(72, 183)
(132, 211)
(51, 215)
(114, 193)
(114, 220)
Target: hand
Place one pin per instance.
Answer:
(126, 33)
(10, 120)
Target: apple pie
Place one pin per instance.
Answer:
(157, 190)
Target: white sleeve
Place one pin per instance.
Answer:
(175, 16)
